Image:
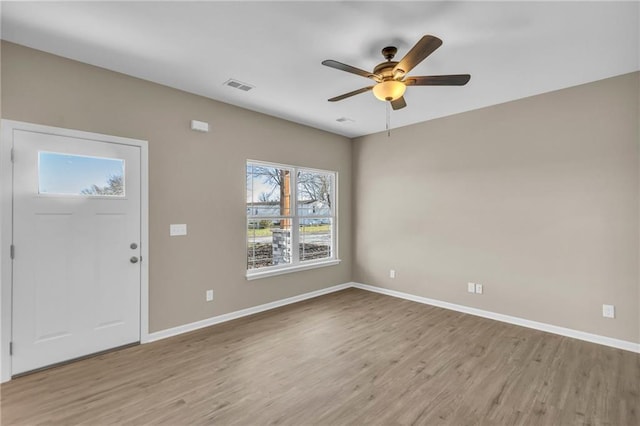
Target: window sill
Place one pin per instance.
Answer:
(286, 270)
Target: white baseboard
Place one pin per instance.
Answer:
(158, 335)
(568, 332)
(562, 331)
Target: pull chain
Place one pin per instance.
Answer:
(388, 119)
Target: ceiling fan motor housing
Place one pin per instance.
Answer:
(385, 69)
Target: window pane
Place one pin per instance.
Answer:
(80, 175)
(271, 211)
(315, 238)
(268, 191)
(268, 242)
(315, 193)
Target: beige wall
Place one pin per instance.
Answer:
(536, 199)
(195, 178)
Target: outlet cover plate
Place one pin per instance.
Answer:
(478, 288)
(209, 295)
(608, 311)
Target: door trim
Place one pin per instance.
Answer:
(7, 127)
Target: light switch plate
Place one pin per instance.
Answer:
(471, 287)
(478, 288)
(176, 229)
(199, 126)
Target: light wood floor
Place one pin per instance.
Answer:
(351, 357)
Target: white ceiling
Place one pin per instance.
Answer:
(511, 49)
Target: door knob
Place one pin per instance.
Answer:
(133, 259)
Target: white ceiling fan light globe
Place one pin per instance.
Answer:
(389, 90)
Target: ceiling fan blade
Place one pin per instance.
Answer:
(438, 80)
(398, 103)
(348, 95)
(423, 48)
(353, 70)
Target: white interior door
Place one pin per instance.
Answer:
(76, 232)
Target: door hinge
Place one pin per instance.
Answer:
(13, 251)
(140, 259)
(12, 155)
(10, 348)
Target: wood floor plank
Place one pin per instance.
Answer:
(352, 357)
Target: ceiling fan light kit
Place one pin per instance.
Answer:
(391, 77)
(389, 90)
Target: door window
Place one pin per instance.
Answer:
(69, 174)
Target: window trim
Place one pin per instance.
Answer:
(302, 266)
(296, 264)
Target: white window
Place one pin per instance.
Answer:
(291, 218)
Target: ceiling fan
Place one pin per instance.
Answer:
(391, 76)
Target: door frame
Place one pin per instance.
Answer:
(7, 127)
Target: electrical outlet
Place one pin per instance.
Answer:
(478, 288)
(608, 311)
(209, 295)
(392, 273)
(471, 287)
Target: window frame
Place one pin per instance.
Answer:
(296, 264)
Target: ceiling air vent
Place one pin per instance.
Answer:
(238, 85)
